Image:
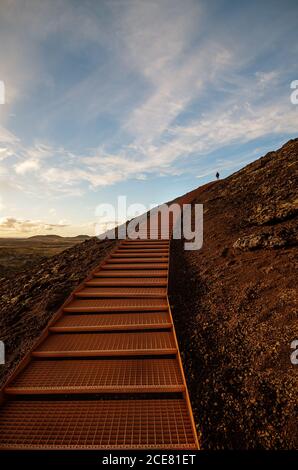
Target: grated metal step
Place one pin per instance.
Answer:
(122, 292)
(116, 305)
(125, 266)
(142, 281)
(107, 344)
(101, 424)
(114, 321)
(141, 248)
(132, 273)
(101, 376)
(126, 261)
(147, 241)
(140, 254)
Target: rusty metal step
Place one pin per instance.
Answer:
(128, 248)
(122, 292)
(133, 274)
(107, 344)
(96, 424)
(124, 266)
(129, 282)
(115, 305)
(152, 375)
(124, 261)
(145, 242)
(143, 247)
(114, 321)
(140, 254)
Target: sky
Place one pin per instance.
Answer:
(139, 98)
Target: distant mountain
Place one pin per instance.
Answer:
(45, 237)
(82, 237)
(57, 237)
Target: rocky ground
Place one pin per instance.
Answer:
(29, 299)
(235, 307)
(21, 254)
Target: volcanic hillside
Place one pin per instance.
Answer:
(233, 305)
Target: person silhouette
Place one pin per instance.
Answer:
(217, 175)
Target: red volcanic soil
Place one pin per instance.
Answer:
(235, 307)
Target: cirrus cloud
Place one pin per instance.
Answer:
(11, 224)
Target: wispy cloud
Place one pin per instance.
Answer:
(104, 93)
(11, 224)
(14, 227)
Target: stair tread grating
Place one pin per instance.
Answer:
(116, 304)
(149, 341)
(135, 266)
(122, 292)
(158, 273)
(135, 282)
(102, 374)
(102, 424)
(113, 320)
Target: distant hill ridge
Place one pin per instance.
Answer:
(56, 237)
